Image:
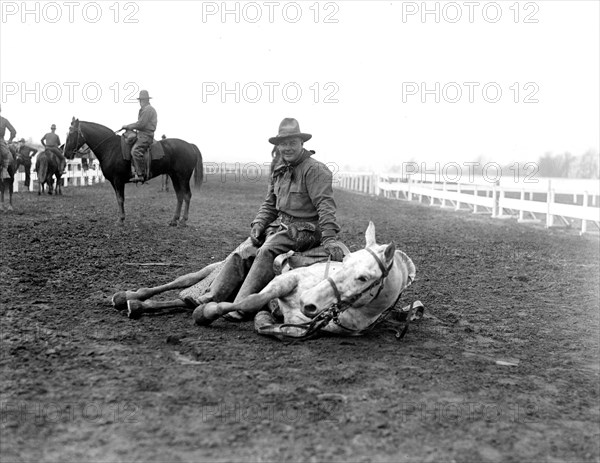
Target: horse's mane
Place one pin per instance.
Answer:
(98, 126)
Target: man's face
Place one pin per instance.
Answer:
(53, 128)
(290, 149)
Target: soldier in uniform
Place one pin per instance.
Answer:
(5, 157)
(24, 153)
(297, 214)
(145, 127)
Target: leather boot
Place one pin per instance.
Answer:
(261, 273)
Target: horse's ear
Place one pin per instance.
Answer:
(390, 250)
(370, 235)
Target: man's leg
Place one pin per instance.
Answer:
(62, 161)
(5, 159)
(27, 167)
(261, 272)
(137, 156)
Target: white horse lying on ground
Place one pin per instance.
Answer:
(347, 298)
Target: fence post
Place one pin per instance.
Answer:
(494, 201)
(521, 211)
(549, 201)
(585, 205)
(458, 190)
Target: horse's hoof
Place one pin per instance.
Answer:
(205, 315)
(182, 224)
(173, 223)
(135, 309)
(119, 300)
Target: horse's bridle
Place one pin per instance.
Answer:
(348, 302)
(332, 313)
(94, 149)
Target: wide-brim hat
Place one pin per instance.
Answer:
(289, 128)
(144, 95)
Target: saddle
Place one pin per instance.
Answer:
(291, 260)
(155, 151)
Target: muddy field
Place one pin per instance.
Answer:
(504, 367)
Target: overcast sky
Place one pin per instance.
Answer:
(513, 80)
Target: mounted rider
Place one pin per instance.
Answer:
(6, 158)
(51, 143)
(145, 127)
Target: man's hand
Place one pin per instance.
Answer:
(256, 235)
(333, 248)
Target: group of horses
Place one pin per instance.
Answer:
(47, 168)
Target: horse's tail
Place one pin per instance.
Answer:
(199, 170)
(42, 167)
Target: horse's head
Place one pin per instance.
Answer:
(376, 271)
(75, 140)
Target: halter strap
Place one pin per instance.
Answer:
(384, 270)
(384, 273)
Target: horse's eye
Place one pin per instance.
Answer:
(362, 278)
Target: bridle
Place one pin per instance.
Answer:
(332, 313)
(385, 271)
(94, 149)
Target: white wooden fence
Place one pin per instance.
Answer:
(76, 175)
(558, 199)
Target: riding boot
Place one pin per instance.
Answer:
(261, 273)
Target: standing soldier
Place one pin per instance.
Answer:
(51, 142)
(24, 153)
(145, 126)
(5, 157)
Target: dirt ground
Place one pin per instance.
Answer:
(503, 368)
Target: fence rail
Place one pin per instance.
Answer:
(559, 200)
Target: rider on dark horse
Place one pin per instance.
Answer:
(51, 142)
(145, 126)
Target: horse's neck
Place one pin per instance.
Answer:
(100, 139)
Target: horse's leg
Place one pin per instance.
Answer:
(1, 195)
(187, 196)
(280, 286)
(135, 309)
(119, 188)
(120, 299)
(179, 193)
(10, 195)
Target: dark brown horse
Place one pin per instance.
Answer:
(47, 167)
(181, 159)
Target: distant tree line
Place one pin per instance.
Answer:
(563, 165)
